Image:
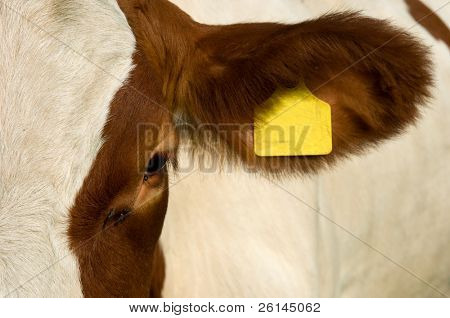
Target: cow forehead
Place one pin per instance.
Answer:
(57, 86)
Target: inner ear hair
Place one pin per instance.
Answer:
(375, 76)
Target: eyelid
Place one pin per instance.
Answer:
(156, 165)
(148, 191)
(153, 179)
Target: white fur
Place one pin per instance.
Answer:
(237, 235)
(61, 63)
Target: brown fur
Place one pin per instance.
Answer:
(118, 261)
(373, 75)
(158, 273)
(429, 20)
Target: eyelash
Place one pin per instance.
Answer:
(155, 165)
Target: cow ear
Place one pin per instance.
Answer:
(373, 75)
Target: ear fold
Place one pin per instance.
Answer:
(372, 74)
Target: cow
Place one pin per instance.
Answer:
(84, 186)
(267, 239)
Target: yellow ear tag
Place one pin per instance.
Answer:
(293, 122)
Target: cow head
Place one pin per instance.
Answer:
(372, 74)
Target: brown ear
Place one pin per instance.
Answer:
(373, 75)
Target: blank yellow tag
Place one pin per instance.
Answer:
(293, 122)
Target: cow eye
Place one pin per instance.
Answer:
(156, 164)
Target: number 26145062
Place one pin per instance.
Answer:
(289, 307)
